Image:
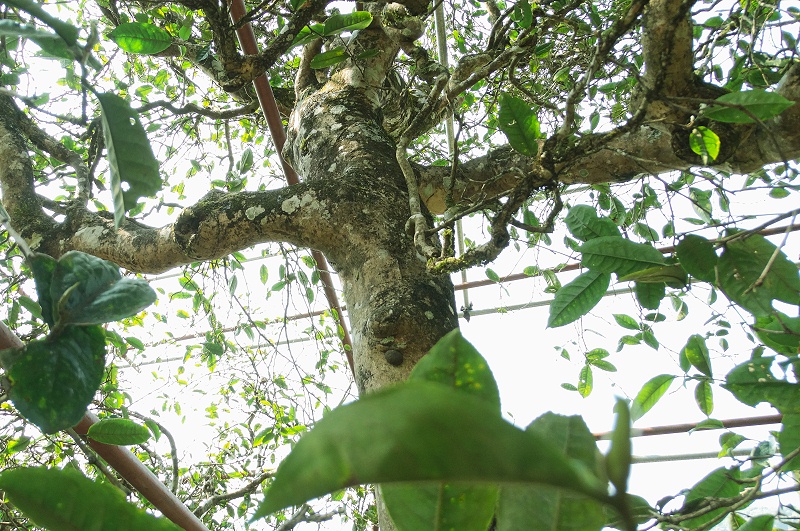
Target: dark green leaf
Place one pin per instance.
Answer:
(541, 507)
(66, 31)
(51, 43)
(753, 382)
(329, 58)
(750, 104)
(67, 500)
(672, 275)
(43, 266)
(751, 278)
(520, 124)
(351, 22)
(704, 397)
(650, 295)
(762, 522)
(89, 290)
(577, 298)
(696, 354)
(419, 431)
(129, 155)
(697, 257)
(53, 380)
(612, 254)
(118, 432)
(649, 395)
(779, 332)
(141, 38)
(583, 223)
(721, 483)
(789, 439)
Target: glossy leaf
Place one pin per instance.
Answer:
(650, 394)
(583, 223)
(704, 142)
(308, 34)
(119, 432)
(696, 255)
(696, 354)
(753, 382)
(455, 363)
(751, 278)
(611, 254)
(130, 156)
(541, 507)
(520, 124)
(53, 380)
(65, 500)
(419, 431)
(141, 38)
(704, 397)
(351, 22)
(89, 290)
(750, 104)
(577, 298)
(329, 58)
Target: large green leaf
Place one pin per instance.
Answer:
(118, 432)
(752, 278)
(130, 156)
(329, 58)
(614, 254)
(453, 362)
(141, 37)
(542, 507)
(789, 439)
(338, 23)
(749, 104)
(89, 290)
(719, 484)
(43, 266)
(419, 431)
(65, 500)
(673, 275)
(779, 332)
(649, 295)
(696, 255)
(696, 353)
(583, 223)
(650, 393)
(577, 298)
(762, 522)
(520, 124)
(53, 380)
(752, 382)
(65, 30)
(308, 34)
(50, 43)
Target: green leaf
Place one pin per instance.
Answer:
(583, 223)
(356, 20)
(750, 104)
(752, 382)
(65, 500)
(87, 290)
(705, 143)
(42, 266)
(51, 43)
(750, 277)
(141, 38)
(650, 295)
(585, 381)
(762, 522)
(704, 397)
(779, 332)
(789, 439)
(129, 155)
(455, 363)
(541, 507)
(618, 458)
(696, 353)
(53, 380)
(66, 31)
(672, 275)
(520, 124)
(491, 275)
(118, 432)
(696, 255)
(650, 394)
(612, 254)
(419, 431)
(577, 298)
(329, 58)
(603, 365)
(626, 321)
(308, 34)
(719, 484)
(245, 164)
